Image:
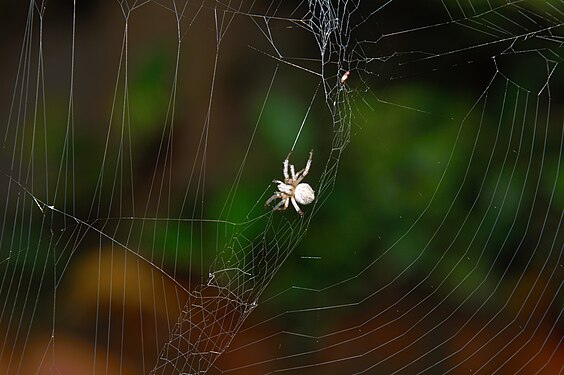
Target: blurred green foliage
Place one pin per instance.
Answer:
(429, 189)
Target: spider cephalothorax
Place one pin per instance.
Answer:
(292, 189)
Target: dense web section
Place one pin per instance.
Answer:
(140, 140)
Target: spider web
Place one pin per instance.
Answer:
(140, 141)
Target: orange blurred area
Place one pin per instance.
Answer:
(116, 313)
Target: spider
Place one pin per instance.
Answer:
(292, 189)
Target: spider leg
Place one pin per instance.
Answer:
(293, 171)
(301, 174)
(285, 169)
(282, 205)
(275, 196)
(296, 207)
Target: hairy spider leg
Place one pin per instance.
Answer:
(284, 202)
(295, 204)
(275, 196)
(293, 171)
(285, 169)
(301, 174)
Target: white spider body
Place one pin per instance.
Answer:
(285, 188)
(304, 194)
(292, 189)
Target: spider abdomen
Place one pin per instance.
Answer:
(304, 194)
